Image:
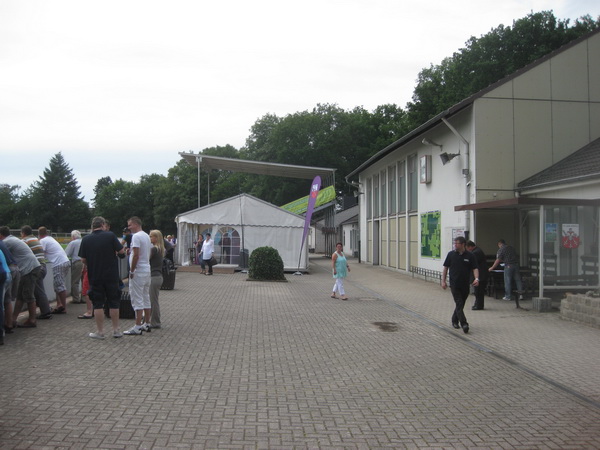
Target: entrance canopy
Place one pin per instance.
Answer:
(559, 239)
(257, 167)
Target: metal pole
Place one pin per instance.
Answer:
(198, 162)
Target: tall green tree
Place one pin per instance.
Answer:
(55, 199)
(327, 136)
(113, 201)
(177, 193)
(9, 199)
(488, 59)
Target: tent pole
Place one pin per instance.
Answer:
(198, 161)
(242, 239)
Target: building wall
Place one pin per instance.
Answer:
(513, 132)
(536, 119)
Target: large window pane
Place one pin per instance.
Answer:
(413, 183)
(571, 239)
(383, 209)
(402, 187)
(376, 196)
(392, 189)
(369, 199)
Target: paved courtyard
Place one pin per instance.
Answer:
(243, 364)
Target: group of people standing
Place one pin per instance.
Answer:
(93, 264)
(99, 252)
(22, 272)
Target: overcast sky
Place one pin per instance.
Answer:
(121, 87)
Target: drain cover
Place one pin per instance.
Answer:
(386, 326)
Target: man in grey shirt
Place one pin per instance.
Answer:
(508, 255)
(30, 271)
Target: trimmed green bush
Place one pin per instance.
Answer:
(265, 264)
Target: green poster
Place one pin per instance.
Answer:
(431, 234)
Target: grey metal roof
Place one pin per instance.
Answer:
(257, 167)
(582, 165)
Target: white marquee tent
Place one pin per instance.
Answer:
(239, 225)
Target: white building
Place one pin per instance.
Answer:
(459, 173)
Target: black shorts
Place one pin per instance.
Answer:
(105, 293)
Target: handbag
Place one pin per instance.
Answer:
(213, 261)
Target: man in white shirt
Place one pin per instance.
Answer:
(139, 276)
(60, 268)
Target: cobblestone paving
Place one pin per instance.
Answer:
(244, 365)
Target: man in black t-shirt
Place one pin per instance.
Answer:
(461, 263)
(99, 252)
(483, 273)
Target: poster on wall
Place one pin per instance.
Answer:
(570, 235)
(431, 234)
(456, 232)
(551, 232)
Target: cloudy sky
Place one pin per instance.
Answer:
(121, 87)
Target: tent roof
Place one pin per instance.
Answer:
(257, 167)
(242, 209)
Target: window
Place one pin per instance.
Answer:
(383, 208)
(413, 183)
(369, 199)
(392, 189)
(227, 245)
(402, 186)
(376, 196)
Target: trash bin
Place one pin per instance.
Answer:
(168, 272)
(244, 257)
(125, 309)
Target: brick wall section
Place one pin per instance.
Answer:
(582, 309)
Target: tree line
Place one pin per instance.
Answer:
(326, 136)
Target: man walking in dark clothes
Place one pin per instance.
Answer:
(483, 273)
(461, 263)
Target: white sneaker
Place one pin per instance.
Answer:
(507, 298)
(146, 327)
(117, 334)
(96, 336)
(134, 331)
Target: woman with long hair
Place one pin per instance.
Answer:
(157, 253)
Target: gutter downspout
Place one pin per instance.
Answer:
(466, 172)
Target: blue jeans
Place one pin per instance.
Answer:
(512, 271)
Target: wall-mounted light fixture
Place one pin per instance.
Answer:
(447, 157)
(426, 141)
